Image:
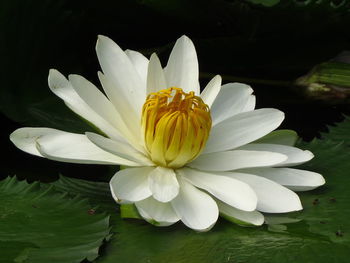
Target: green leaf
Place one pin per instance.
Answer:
(39, 224)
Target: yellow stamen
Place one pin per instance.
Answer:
(176, 126)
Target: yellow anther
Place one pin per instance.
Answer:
(176, 126)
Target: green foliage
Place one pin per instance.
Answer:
(39, 224)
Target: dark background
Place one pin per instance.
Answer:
(267, 44)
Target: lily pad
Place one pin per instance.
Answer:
(40, 224)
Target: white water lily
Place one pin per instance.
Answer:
(190, 156)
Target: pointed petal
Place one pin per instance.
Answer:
(74, 148)
(117, 66)
(233, 192)
(163, 184)
(212, 89)
(196, 209)
(140, 63)
(231, 100)
(63, 89)
(157, 213)
(25, 138)
(237, 159)
(131, 184)
(240, 217)
(182, 68)
(119, 148)
(272, 197)
(295, 155)
(155, 76)
(243, 128)
(294, 179)
(283, 137)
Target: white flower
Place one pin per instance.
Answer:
(190, 156)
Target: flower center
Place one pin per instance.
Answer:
(176, 126)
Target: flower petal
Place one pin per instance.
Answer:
(231, 100)
(131, 184)
(212, 89)
(196, 209)
(157, 213)
(155, 75)
(237, 159)
(283, 137)
(250, 105)
(272, 197)
(240, 217)
(231, 191)
(182, 68)
(117, 66)
(74, 148)
(294, 179)
(63, 89)
(140, 63)
(243, 128)
(163, 184)
(119, 148)
(295, 155)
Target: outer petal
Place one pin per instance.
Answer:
(97, 101)
(131, 184)
(163, 184)
(212, 89)
(157, 213)
(196, 209)
(231, 100)
(155, 76)
(119, 148)
(63, 89)
(140, 63)
(239, 216)
(294, 179)
(76, 148)
(63, 146)
(250, 105)
(237, 159)
(283, 137)
(295, 155)
(182, 68)
(243, 128)
(117, 66)
(231, 191)
(272, 197)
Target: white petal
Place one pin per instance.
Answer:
(284, 137)
(239, 216)
(231, 100)
(237, 159)
(231, 191)
(25, 138)
(140, 63)
(74, 148)
(155, 76)
(157, 213)
(97, 101)
(250, 104)
(196, 209)
(182, 68)
(117, 66)
(119, 148)
(212, 89)
(131, 184)
(243, 128)
(163, 184)
(295, 155)
(272, 197)
(63, 89)
(294, 179)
